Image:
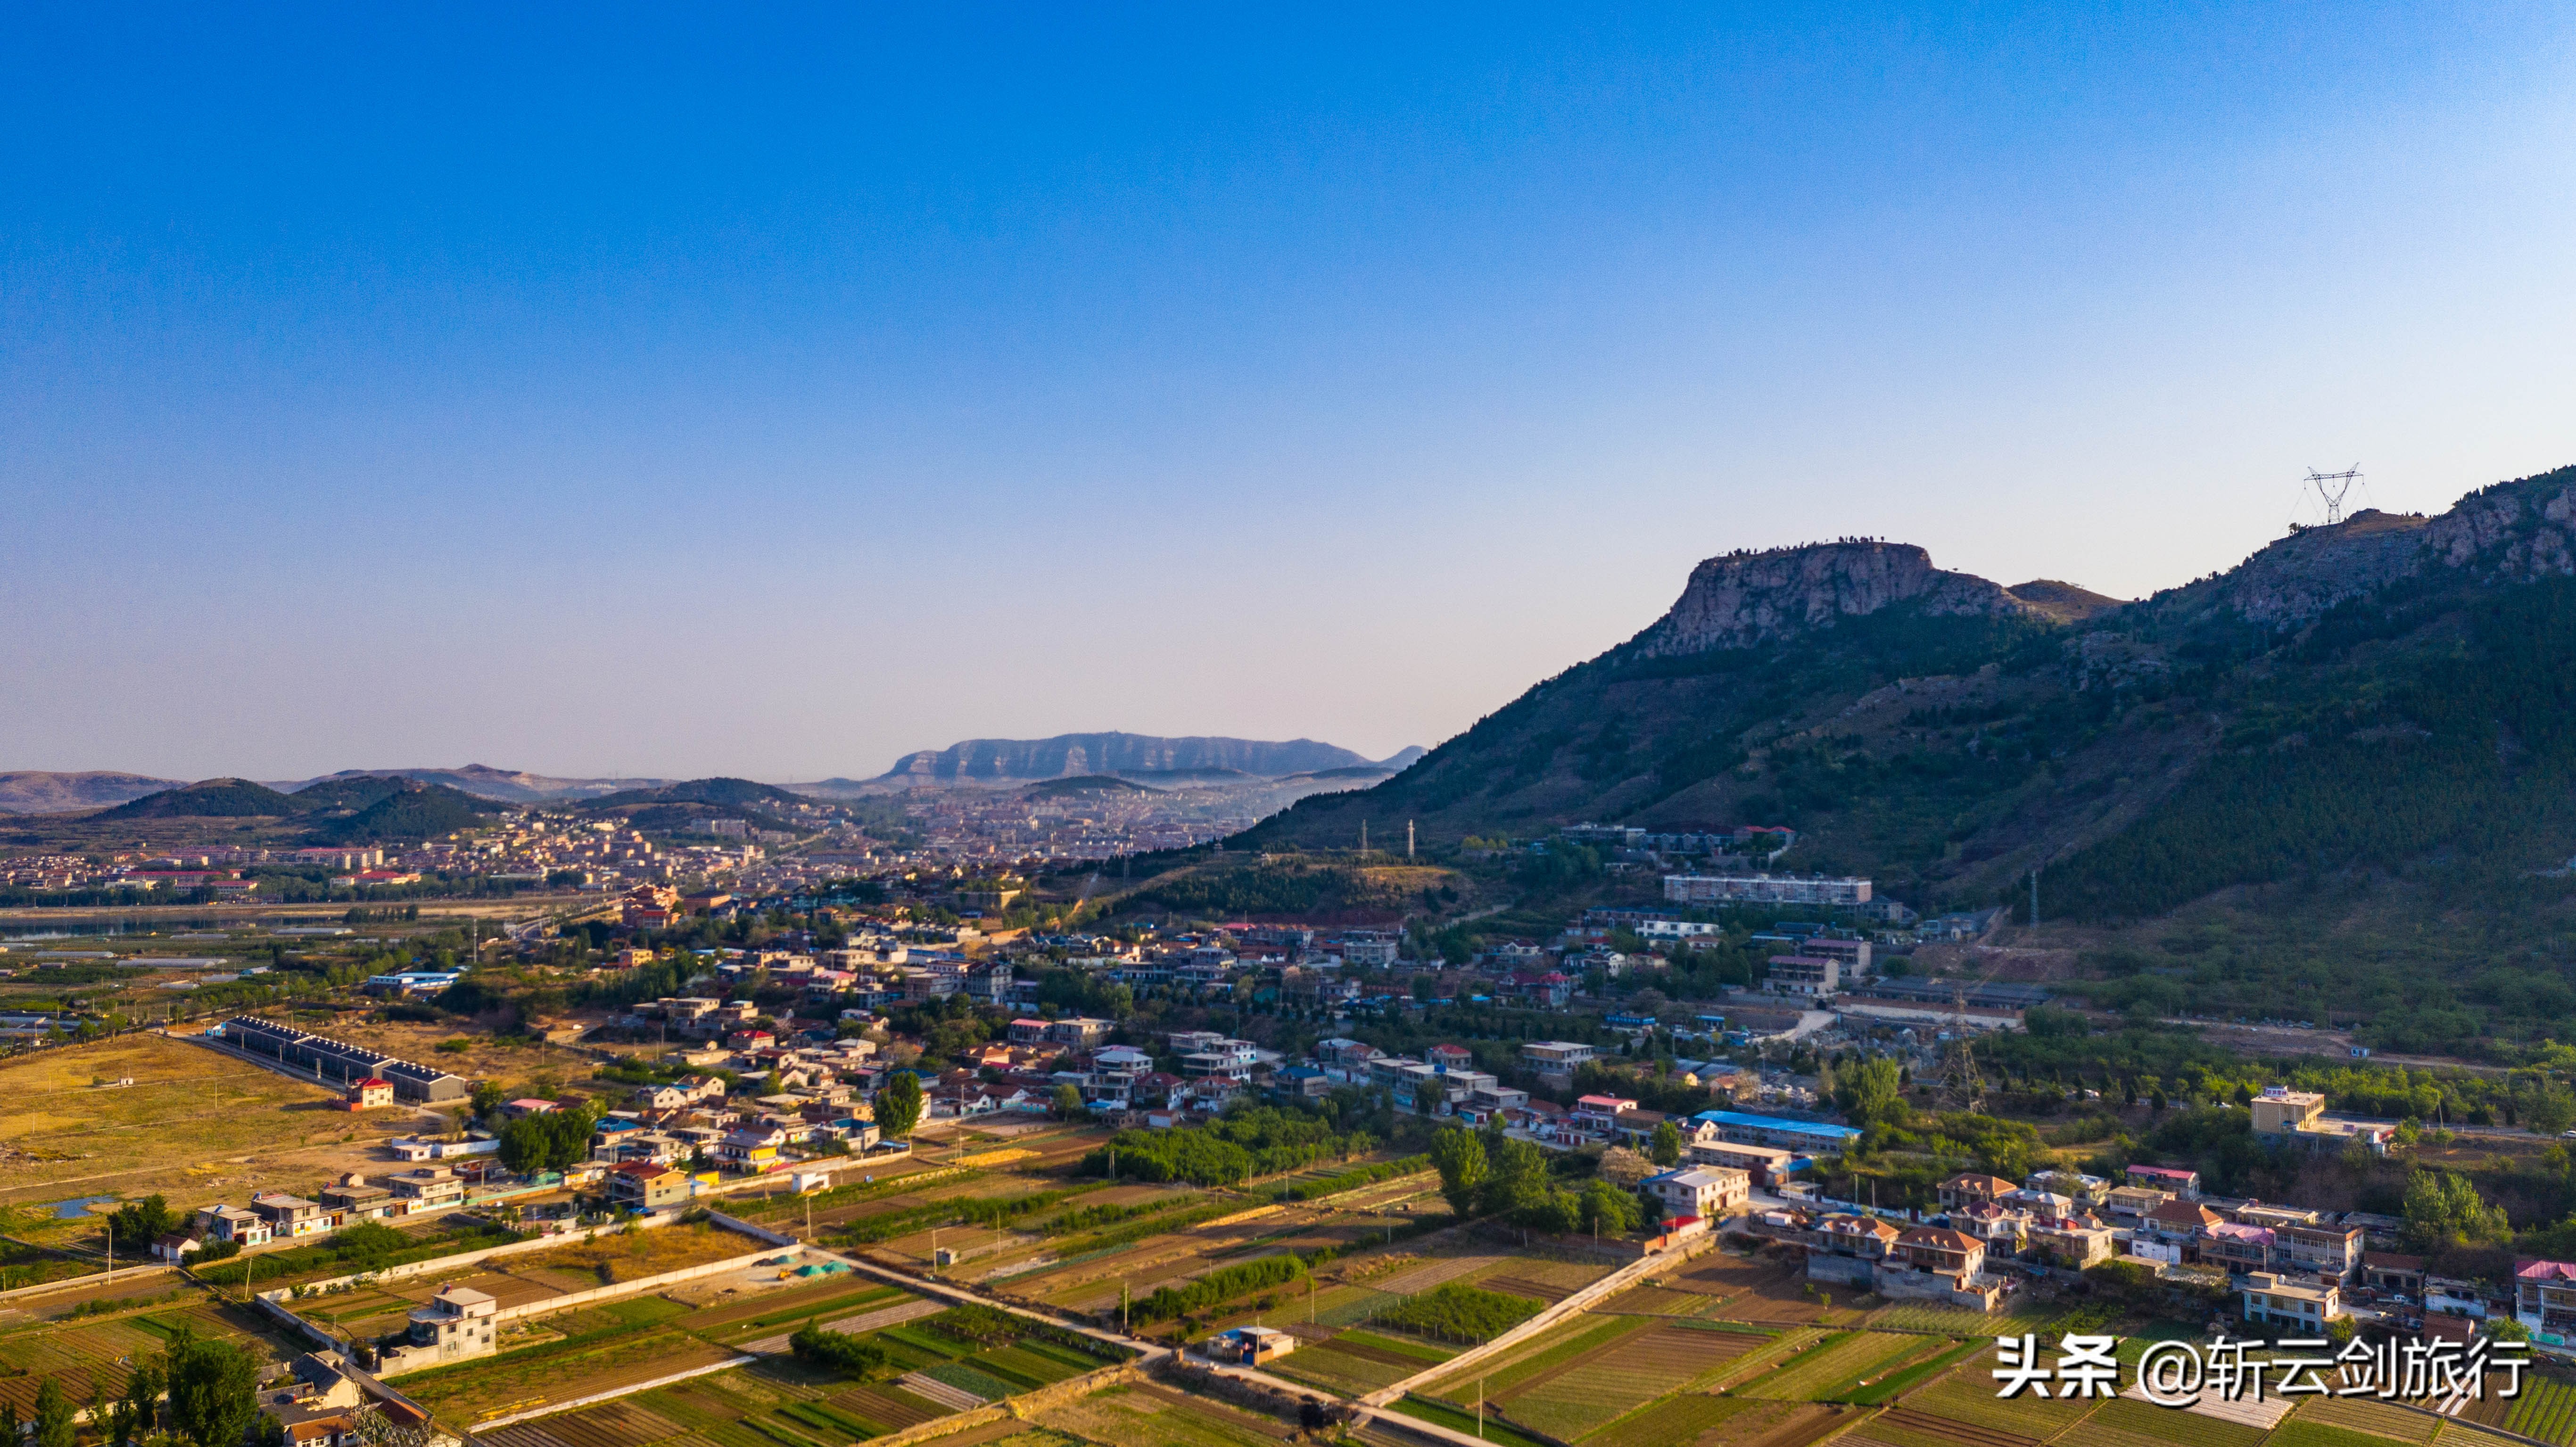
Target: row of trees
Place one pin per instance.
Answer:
(1487, 1173)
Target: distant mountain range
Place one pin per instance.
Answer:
(30, 791)
(365, 808)
(485, 782)
(1159, 762)
(1163, 762)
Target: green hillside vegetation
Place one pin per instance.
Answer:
(1084, 784)
(2240, 802)
(413, 811)
(726, 792)
(207, 799)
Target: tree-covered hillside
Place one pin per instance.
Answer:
(2337, 773)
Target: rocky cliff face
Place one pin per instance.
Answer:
(2513, 532)
(1743, 599)
(1066, 755)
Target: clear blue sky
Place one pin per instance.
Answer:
(771, 392)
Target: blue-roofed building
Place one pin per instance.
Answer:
(1775, 1131)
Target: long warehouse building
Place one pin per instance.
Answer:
(337, 1060)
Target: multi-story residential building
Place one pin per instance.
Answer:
(2185, 1184)
(1769, 1166)
(647, 1186)
(2544, 1297)
(2275, 1300)
(1556, 1057)
(751, 1150)
(1814, 976)
(1847, 1248)
(353, 1198)
(426, 1188)
(1765, 889)
(231, 1223)
(452, 1326)
(289, 1217)
(2332, 1253)
(1710, 1193)
(2071, 1241)
(2128, 1203)
(1934, 1263)
(2241, 1249)
(1974, 1189)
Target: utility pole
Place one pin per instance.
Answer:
(1363, 839)
(2034, 896)
(1408, 839)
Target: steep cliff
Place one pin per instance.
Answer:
(1743, 599)
(1001, 761)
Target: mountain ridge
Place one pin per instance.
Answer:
(1946, 734)
(1007, 761)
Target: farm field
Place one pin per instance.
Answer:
(1839, 1364)
(934, 1366)
(2360, 1415)
(534, 1276)
(1673, 1421)
(92, 1350)
(1146, 1415)
(247, 1128)
(2546, 1409)
(1353, 1363)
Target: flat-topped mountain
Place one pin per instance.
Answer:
(1007, 761)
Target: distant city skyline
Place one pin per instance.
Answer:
(774, 395)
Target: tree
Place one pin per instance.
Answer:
(1556, 1212)
(1873, 1091)
(1667, 1147)
(486, 1097)
(551, 1141)
(10, 1432)
(1608, 1210)
(214, 1390)
(2444, 1210)
(1515, 1176)
(898, 1105)
(134, 1224)
(2549, 1109)
(53, 1415)
(1068, 1102)
(1460, 1158)
(142, 1401)
(836, 1351)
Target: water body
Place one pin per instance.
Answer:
(74, 1210)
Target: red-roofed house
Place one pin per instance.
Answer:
(369, 1093)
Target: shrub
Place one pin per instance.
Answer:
(836, 1351)
(1459, 1312)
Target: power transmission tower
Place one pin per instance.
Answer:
(1961, 1083)
(2332, 488)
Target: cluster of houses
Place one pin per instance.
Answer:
(2292, 1268)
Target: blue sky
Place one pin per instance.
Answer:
(675, 392)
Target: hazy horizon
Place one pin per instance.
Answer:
(668, 394)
